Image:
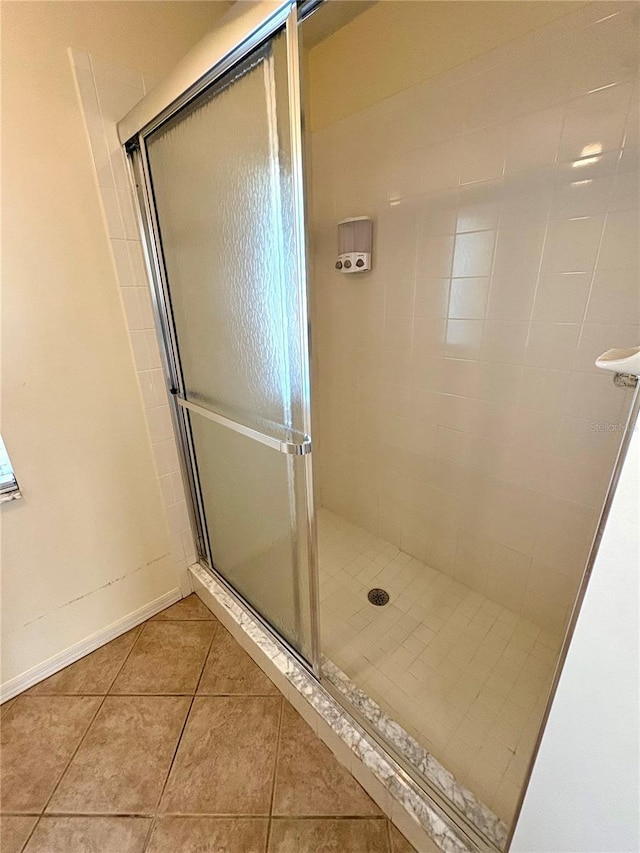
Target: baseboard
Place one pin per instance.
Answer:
(54, 664)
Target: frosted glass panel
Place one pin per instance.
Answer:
(221, 177)
(252, 496)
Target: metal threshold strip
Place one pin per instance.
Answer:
(291, 448)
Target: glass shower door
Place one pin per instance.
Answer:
(223, 176)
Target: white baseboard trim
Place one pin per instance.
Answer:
(43, 670)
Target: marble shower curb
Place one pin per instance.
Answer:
(464, 799)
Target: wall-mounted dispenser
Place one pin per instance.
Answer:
(354, 244)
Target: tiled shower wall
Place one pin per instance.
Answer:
(458, 411)
(107, 92)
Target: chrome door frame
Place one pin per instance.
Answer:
(277, 16)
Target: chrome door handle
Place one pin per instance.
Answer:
(291, 448)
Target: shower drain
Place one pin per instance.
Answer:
(379, 597)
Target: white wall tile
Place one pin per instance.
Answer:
(534, 141)
(527, 197)
(579, 195)
(468, 298)
(594, 397)
(398, 298)
(107, 92)
(572, 244)
(437, 212)
(543, 388)
(112, 213)
(133, 309)
(587, 441)
(440, 165)
(464, 338)
(431, 296)
(473, 555)
(504, 341)
(160, 426)
(614, 294)
(626, 185)
(506, 252)
(620, 243)
(483, 154)
(597, 338)
(112, 71)
(498, 382)
(594, 123)
(552, 345)
(577, 482)
(129, 221)
(632, 130)
(511, 295)
(435, 255)
(122, 262)
(473, 253)
(562, 297)
(606, 52)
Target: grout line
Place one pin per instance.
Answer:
(28, 838)
(183, 729)
(216, 631)
(184, 725)
(389, 839)
(329, 816)
(173, 759)
(93, 719)
(214, 815)
(75, 751)
(275, 769)
(169, 694)
(147, 841)
(137, 628)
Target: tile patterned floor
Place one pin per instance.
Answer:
(467, 678)
(170, 739)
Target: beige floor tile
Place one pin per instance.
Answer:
(209, 835)
(39, 736)
(168, 658)
(89, 835)
(187, 608)
(93, 674)
(309, 779)
(399, 843)
(14, 832)
(124, 760)
(230, 670)
(226, 758)
(6, 705)
(323, 835)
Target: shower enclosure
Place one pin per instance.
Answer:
(462, 442)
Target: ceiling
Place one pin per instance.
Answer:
(331, 16)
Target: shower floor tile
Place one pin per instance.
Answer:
(227, 764)
(467, 678)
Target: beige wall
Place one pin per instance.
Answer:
(395, 45)
(89, 543)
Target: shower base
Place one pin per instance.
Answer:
(463, 676)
